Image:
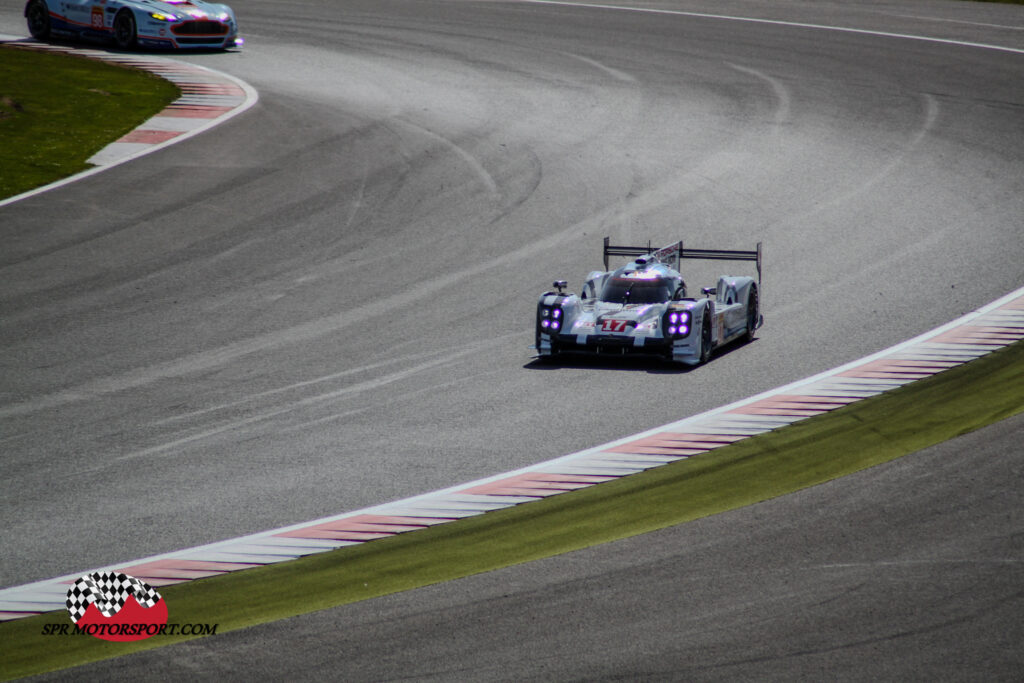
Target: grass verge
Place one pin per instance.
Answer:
(810, 452)
(56, 111)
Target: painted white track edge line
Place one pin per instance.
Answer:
(778, 22)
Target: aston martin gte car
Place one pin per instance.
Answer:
(644, 308)
(128, 23)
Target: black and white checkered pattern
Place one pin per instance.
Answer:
(108, 591)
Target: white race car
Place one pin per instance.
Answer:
(129, 23)
(643, 308)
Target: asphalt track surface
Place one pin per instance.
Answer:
(326, 304)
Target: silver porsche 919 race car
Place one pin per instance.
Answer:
(130, 23)
(643, 308)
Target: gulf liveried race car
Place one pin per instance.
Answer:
(643, 308)
(131, 23)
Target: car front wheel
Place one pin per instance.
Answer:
(125, 32)
(705, 339)
(38, 17)
(752, 314)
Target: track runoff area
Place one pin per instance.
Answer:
(208, 99)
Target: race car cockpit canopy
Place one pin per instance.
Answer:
(638, 288)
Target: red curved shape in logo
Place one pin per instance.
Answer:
(132, 622)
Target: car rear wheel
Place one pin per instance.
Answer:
(38, 17)
(125, 32)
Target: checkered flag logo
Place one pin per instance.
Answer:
(109, 592)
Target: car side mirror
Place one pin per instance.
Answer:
(708, 291)
(559, 285)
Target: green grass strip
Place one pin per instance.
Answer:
(810, 452)
(56, 111)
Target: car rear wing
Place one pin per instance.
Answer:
(676, 252)
(670, 254)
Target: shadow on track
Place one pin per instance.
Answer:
(648, 364)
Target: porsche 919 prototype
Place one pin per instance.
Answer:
(176, 24)
(643, 308)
